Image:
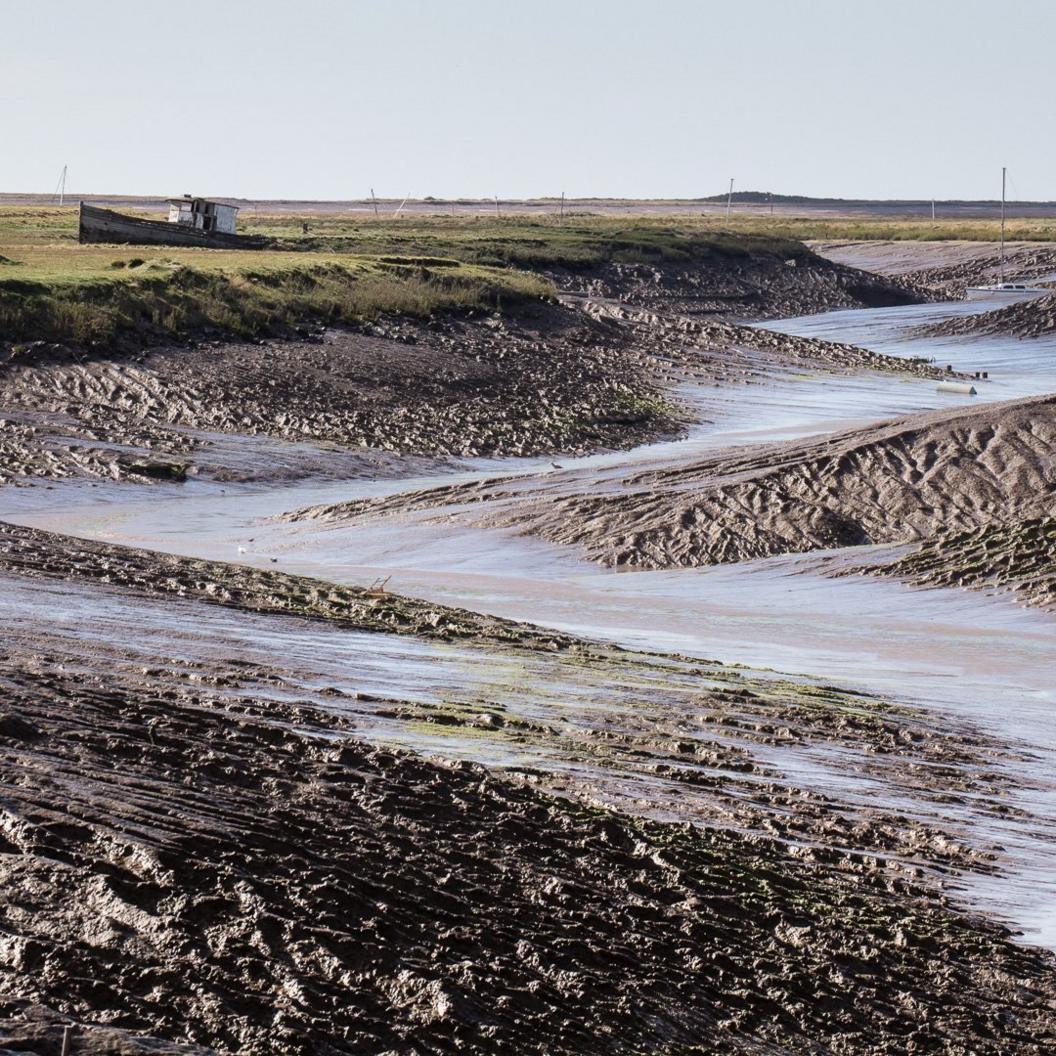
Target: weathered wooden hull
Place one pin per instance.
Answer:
(104, 225)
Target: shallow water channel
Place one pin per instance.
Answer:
(977, 659)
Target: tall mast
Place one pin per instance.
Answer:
(62, 187)
(1003, 172)
(729, 198)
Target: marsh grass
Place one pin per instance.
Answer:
(351, 267)
(92, 296)
(345, 269)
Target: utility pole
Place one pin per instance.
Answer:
(497, 213)
(1004, 172)
(770, 199)
(933, 208)
(375, 201)
(729, 199)
(62, 186)
(562, 205)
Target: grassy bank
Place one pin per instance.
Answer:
(533, 240)
(345, 268)
(351, 266)
(95, 295)
(879, 229)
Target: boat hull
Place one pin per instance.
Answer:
(990, 293)
(104, 225)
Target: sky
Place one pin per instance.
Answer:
(325, 99)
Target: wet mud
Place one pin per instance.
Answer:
(742, 287)
(583, 374)
(1035, 317)
(947, 268)
(328, 895)
(899, 482)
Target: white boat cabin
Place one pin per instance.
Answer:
(203, 214)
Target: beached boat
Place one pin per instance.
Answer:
(1001, 288)
(192, 222)
(1004, 289)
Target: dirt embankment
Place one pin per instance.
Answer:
(1017, 558)
(1031, 318)
(328, 896)
(741, 288)
(899, 482)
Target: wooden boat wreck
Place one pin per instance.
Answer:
(191, 222)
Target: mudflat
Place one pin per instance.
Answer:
(249, 811)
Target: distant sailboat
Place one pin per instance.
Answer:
(1002, 288)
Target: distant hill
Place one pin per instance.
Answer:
(907, 206)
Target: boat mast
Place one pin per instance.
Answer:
(1003, 172)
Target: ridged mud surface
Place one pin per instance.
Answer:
(539, 378)
(221, 826)
(900, 482)
(1018, 558)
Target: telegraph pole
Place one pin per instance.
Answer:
(729, 199)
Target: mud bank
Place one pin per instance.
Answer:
(331, 896)
(1035, 317)
(736, 288)
(892, 483)
(548, 379)
(215, 836)
(43, 555)
(538, 378)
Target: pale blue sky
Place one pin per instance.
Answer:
(325, 99)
